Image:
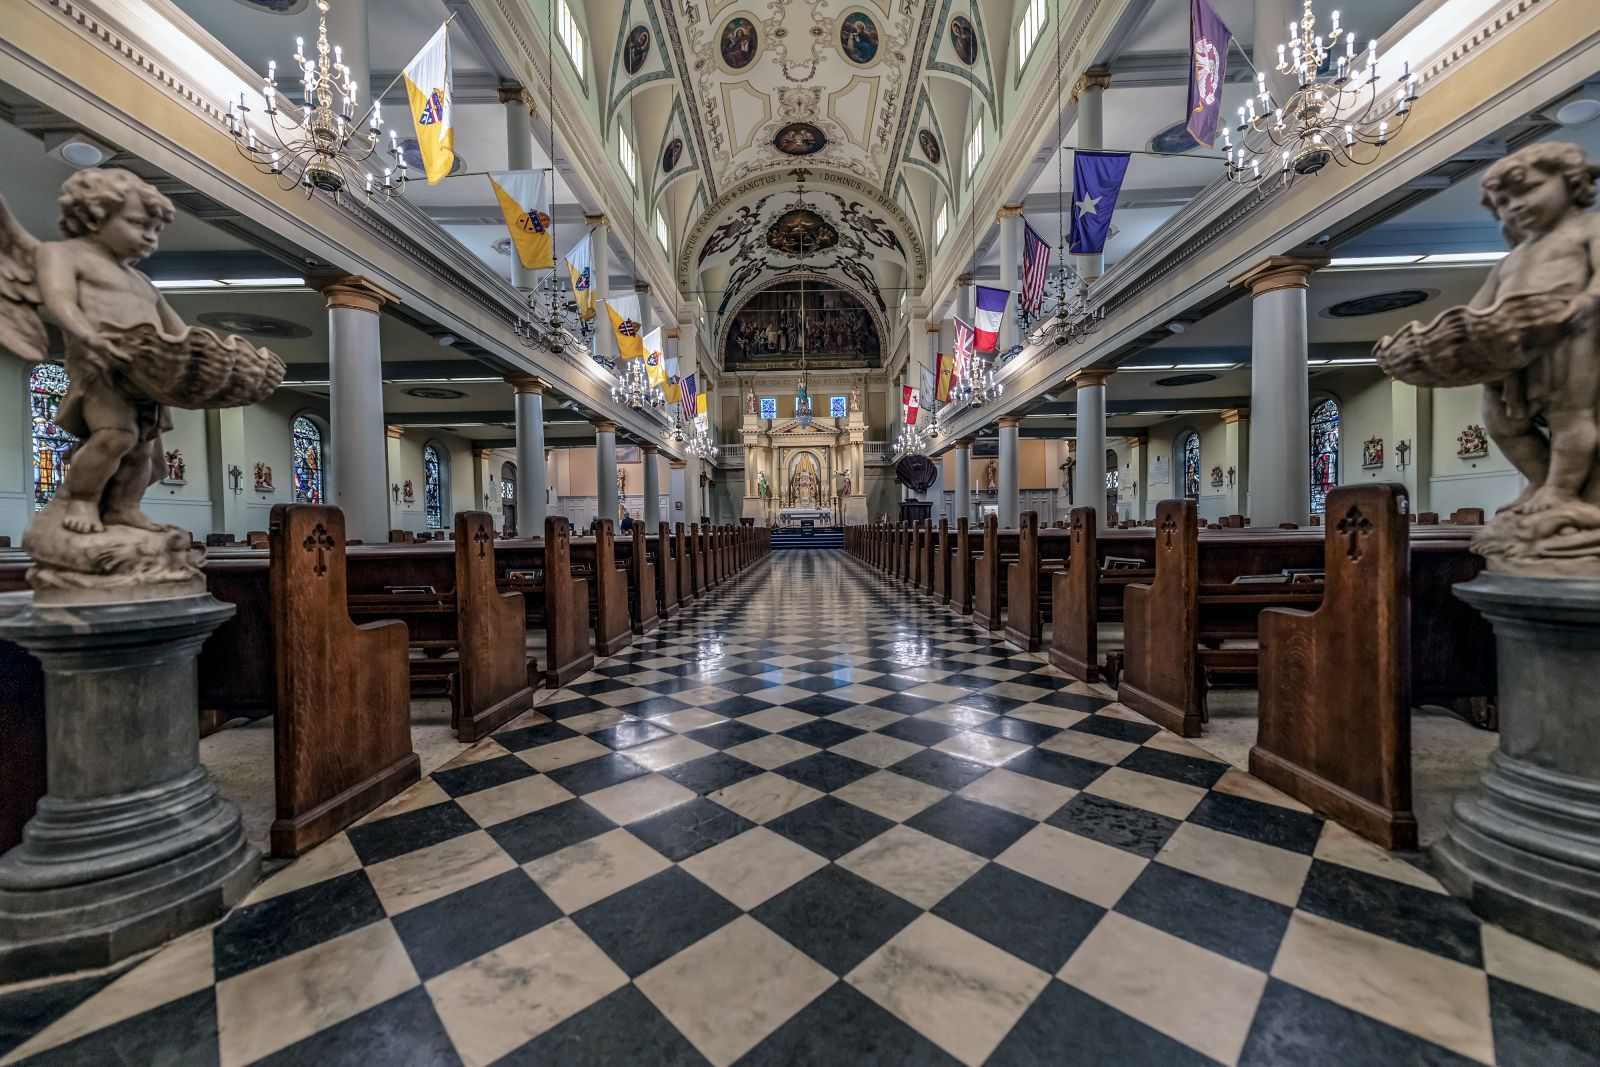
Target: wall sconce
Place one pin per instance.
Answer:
(1402, 455)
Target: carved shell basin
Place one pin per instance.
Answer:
(1469, 346)
(197, 368)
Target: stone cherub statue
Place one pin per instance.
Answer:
(128, 358)
(1531, 336)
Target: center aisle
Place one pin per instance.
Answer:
(817, 821)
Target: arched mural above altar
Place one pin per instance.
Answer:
(767, 330)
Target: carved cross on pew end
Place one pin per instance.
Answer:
(1355, 528)
(1169, 527)
(481, 538)
(320, 542)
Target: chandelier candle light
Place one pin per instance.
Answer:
(1337, 114)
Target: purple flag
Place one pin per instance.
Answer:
(1208, 69)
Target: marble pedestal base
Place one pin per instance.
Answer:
(1523, 847)
(132, 844)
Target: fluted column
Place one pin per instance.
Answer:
(963, 498)
(1280, 424)
(1010, 220)
(1009, 503)
(605, 469)
(532, 507)
(358, 461)
(1091, 91)
(1089, 476)
(652, 487)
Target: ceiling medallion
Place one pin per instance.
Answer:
(858, 38)
(259, 325)
(801, 232)
(930, 146)
(964, 39)
(433, 392)
(635, 50)
(800, 139)
(671, 154)
(738, 43)
(1378, 303)
(1174, 381)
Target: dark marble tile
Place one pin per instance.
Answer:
(1271, 824)
(835, 917)
(26, 1012)
(1032, 921)
(655, 919)
(533, 736)
(726, 734)
(1066, 1027)
(396, 835)
(1057, 767)
(622, 1029)
(919, 731)
(282, 925)
(939, 769)
(1104, 725)
(1293, 1026)
(820, 683)
(180, 1033)
(627, 734)
(711, 773)
(472, 777)
(1179, 768)
(967, 824)
(653, 707)
(444, 933)
(820, 705)
(742, 685)
(1039, 679)
(844, 1026)
(829, 826)
(823, 733)
(402, 1032)
(539, 833)
(1029, 733)
(1432, 922)
(887, 679)
(1109, 822)
(826, 771)
(692, 827)
(738, 706)
(596, 686)
(904, 703)
(1531, 1028)
(569, 706)
(990, 702)
(595, 774)
(1239, 925)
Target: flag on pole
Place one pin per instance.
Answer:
(1035, 267)
(1096, 181)
(945, 378)
(524, 199)
(688, 403)
(428, 88)
(928, 383)
(580, 264)
(624, 312)
(674, 387)
(991, 312)
(912, 400)
(654, 363)
(700, 406)
(962, 356)
(1208, 70)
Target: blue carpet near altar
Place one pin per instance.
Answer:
(821, 537)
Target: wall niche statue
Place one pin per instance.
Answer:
(1531, 337)
(129, 358)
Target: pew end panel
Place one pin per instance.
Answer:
(1075, 597)
(497, 677)
(1161, 627)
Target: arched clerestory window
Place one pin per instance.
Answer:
(47, 387)
(435, 483)
(308, 464)
(1324, 453)
(1190, 451)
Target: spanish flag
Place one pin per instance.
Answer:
(524, 198)
(941, 385)
(654, 364)
(580, 264)
(428, 86)
(624, 312)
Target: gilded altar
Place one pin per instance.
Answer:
(794, 472)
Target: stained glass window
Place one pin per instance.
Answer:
(838, 407)
(432, 495)
(769, 407)
(1324, 454)
(307, 467)
(47, 386)
(1191, 466)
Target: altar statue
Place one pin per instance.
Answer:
(1531, 336)
(803, 488)
(763, 487)
(750, 401)
(855, 398)
(129, 357)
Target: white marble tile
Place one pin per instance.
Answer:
(1264, 870)
(425, 794)
(773, 720)
(638, 798)
(1150, 792)
(681, 722)
(330, 859)
(891, 795)
(501, 802)
(772, 751)
(578, 875)
(594, 721)
(754, 866)
(415, 878)
(957, 716)
(1349, 849)
(1078, 865)
(1237, 783)
(913, 865)
(547, 758)
(764, 797)
(880, 750)
(1516, 959)
(668, 752)
(981, 748)
(1022, 794)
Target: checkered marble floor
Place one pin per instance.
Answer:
(816, 821)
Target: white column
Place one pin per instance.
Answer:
(603, 344)
(964, 297)
(519, 156)
(963, 486)
(605, 470)
(358, 461)
(1091, 90)
(647, 315)
(652, 487)
(1008, 470)
(1411, 415)
(392, 435)
(1138, 472)
(1089, 477)
(1236, 445)
(1010, 220)
(225, 447)
(676, 494)
(1280, 424)
(532, 508)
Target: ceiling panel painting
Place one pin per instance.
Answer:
(961, 49)
(641, 55)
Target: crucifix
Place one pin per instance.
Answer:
(320, 542)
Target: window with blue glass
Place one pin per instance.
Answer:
(1191, 466)
(838, 406)
(47, 387)
(1324, 454)
(432, 488)
(769, 407)
(307, 466)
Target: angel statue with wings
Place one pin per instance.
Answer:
(128, 357)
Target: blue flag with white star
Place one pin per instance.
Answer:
(1096, 181)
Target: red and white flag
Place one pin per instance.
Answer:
(991, 312)
(1035, 266)
(912, 400)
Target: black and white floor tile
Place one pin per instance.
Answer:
(817, 821)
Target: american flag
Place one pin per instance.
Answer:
(1035, 265)
(964, 340)
(687, 404)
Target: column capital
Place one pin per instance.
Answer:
(483, 453)
(1280, 272)
(352, 291)
(1233, 415)
(964, 279)
(649, 449)
(604, 426)
(677, 464)
(514, 93)
(1008, 422)
(393, 432)
(935, 327)
(1097, 78)
(1139, 438)
(534, 385)
(965, 442)
(598, 219)
(672, 332)
(641, 287)
(1088, 377)
(1008, 211)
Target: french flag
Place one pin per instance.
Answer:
(991, 311)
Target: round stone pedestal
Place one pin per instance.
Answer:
(132, 845)
(1523, 847)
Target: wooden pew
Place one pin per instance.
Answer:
(1084, 594)
(612, 630)
(989, 573)
(1190, 603)
(925, 556)
(941, 563)
(568, 653)
(684, 551)
(643, 606)
(666, 571)
(1024, 617)
(961, 563)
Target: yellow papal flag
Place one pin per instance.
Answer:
(700, 403)
(580, 264)
(524, 198)
(428, 86)
(624, 312)
(655, 369)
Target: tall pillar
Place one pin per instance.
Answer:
(358, 458)
(1010, 220)
(652, 486)
(603, 344)
(225, 448)
(392, 435)
(1091, 91)
(532, 506)
(676, 492)
(1138, 473)
(964, 298)
(1280, 428)
(1009, 503)
(1089, 476)
(1236, 445)
(518, 103)
(1411, 417)
(605, 469)
(647, 315)
(963, 486)
(917, 349)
